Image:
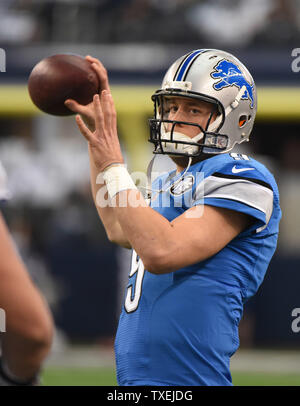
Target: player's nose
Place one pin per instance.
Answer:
(179, 115)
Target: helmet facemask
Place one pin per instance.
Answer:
(168, 140)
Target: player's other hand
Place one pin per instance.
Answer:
(87, 111)
(104, 143)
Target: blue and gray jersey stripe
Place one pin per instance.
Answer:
(252, 192)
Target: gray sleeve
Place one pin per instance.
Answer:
(252, 193)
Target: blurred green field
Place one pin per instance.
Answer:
(79, 377)
(106, 377)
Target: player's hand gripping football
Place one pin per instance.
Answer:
(87, 111)
(103, 142)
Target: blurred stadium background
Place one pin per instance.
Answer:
(51, 215)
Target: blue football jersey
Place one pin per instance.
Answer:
(181, 328)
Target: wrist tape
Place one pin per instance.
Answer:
(117, 179)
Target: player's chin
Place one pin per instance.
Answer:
(179, 160)
(183, 160)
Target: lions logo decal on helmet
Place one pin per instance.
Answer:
(231, 75)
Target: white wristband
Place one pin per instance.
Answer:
(117, 179)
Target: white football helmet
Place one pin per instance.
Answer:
(212, 76)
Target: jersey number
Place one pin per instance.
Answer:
(134, 290)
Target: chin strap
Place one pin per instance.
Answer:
(173, 138)
(149, 190)
(233, 105)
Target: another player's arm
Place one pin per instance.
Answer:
(29, 324)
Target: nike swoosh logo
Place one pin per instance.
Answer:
(236, 170)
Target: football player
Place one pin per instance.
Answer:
(202, 246)
(26, 325)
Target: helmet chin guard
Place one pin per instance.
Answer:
(175, 146)
(215, 77)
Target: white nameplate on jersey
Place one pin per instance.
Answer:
(182, 186)
(238, 157)
(178, 85)
(238, 170)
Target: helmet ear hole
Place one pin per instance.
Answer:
(243, 120)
